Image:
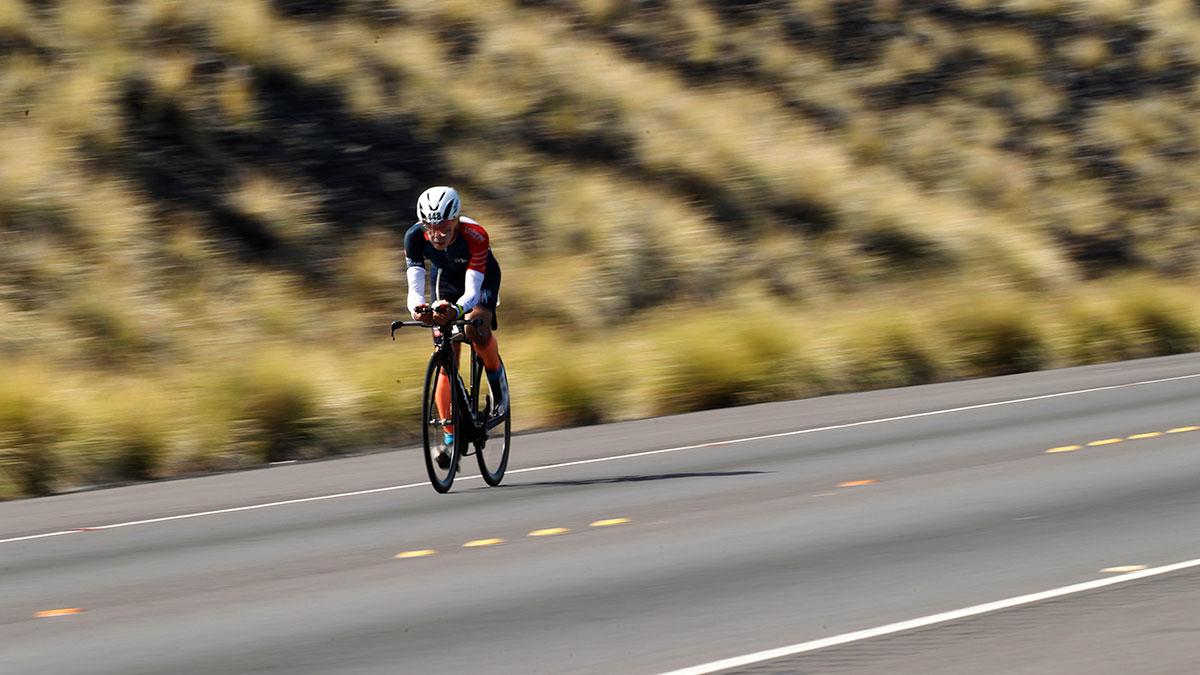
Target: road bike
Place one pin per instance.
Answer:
(473, 426)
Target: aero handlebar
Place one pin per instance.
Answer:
(397, 325)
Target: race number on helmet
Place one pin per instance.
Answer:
(437, 204)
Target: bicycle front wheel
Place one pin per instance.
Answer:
(441, 460)
(493, 457)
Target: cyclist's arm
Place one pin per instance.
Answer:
(478, 244)
(416, 287)
(470, 296)
(415, 259)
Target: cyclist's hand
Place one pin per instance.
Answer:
(422, 313)
(444, 312)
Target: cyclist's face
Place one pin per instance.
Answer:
(441, 234)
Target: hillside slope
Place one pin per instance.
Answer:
(696, 203)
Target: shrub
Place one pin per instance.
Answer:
(569, 394)
(271, 405)
(387, 385)
(1161, 322)
(288, 210)
(697, 374)
(31, 428)
(888, 351)
(995, 336)
(14, 17)
(124, 431)
(372, 271)
(139, 451)
(1093, 332)
(114, 336)
(556, 379)
(700, 363)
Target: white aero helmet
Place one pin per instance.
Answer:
(438, 203)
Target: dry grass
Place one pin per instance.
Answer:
(638, 206)
(1014, 51)
(1087, 53)
(32, 423)
(288, 209)
(373, 270)
(245, 29)
(32, 164)
(15, 17)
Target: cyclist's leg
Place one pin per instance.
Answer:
(444, 393)
(485, 341)
(488, 349)
(489, 298)
(481, 336)
(443, 288)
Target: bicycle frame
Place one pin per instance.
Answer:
(471, 424)
(444, 339)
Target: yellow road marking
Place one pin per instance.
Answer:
(66, 611)
(1180, 430)
(856, 483)
(1065, 448)
(1148, 434)
(1123, 568)
(610, 521)
(416, 554)
(1106, 441)
(482, 542)
(548, 532)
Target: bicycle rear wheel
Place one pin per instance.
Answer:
(493, 457)
(441, 461)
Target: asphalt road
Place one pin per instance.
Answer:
(735, 531)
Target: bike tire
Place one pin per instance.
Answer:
(493, 461)
(432, 429)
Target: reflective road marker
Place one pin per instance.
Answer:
(610, 522)
(482, 542)
(417, 554)
(50, 613)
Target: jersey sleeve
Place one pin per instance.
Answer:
(478, 245)
(470, 297)
(416, 287)
(414, 247)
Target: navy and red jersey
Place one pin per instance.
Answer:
(470, 250)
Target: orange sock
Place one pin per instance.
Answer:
(489, 353)
(443, 400)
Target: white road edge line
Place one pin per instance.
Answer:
(185, 516)
(632, 455)
(849, 425)
(813, 645)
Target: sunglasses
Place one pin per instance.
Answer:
(440, 227)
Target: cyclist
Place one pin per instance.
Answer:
(466, 285)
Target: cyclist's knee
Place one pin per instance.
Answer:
(479, 335)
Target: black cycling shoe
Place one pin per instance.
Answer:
(499, 395)
(443, 458)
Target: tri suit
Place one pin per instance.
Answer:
(470, 251)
